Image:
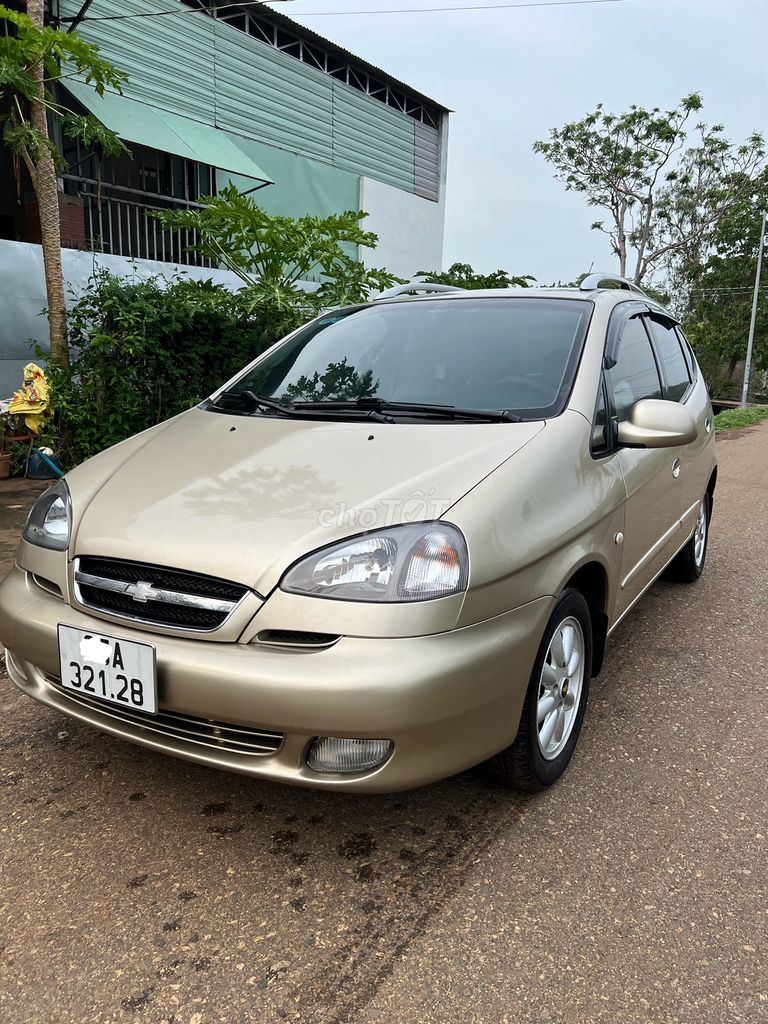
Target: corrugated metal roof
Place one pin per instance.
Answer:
(283, 21)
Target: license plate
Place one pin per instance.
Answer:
(108, 668)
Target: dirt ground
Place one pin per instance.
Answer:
(135, 887)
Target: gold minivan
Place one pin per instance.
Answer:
(392, 548)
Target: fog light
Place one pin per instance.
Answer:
(336, 754)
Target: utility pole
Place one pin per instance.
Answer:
(755, 297)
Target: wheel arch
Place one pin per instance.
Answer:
(711, 488)
(591, 580)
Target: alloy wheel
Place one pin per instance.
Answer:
(700, 536)
(560, 687)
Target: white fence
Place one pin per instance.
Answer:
(22, 295)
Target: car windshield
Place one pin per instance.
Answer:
(517, 354)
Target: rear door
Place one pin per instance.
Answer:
(677, 381)
(652, 477)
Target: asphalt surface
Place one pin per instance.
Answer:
(135, 887)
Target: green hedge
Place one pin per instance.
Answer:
(143, 351)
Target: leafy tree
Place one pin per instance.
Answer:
(273, 254)
(719, 290)
(664, 199)
(461, 275)
(31, 56)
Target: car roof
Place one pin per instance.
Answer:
(606, 297)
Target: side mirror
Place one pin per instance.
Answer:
(653, 423)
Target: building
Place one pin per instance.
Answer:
(216, 95)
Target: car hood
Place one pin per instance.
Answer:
(242, 497)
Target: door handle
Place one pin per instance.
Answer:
(676, 467)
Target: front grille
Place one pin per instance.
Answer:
(155, 594)
(236, 739)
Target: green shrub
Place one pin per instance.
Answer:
(143, 351)
(462, 275)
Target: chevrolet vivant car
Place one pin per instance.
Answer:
(391, 548)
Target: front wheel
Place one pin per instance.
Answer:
(555, 701)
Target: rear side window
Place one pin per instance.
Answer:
(673, 364)
(635, 375)
(687, 352)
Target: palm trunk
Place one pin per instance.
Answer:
(47, 192)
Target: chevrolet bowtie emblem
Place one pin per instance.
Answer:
(141, 591)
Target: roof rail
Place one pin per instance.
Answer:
(415, 286)
(593, 281)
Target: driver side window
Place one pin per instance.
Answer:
(635, 375)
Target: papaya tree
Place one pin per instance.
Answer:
(273, 255)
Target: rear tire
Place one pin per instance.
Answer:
(688, 564)
(555, 701)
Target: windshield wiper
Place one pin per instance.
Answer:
(422, 408)
(301, 410)
(254, 402)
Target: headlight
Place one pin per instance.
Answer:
(417, 562)
(49, 523)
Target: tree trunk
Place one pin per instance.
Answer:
(641, 266)
(47, 192)
(621, 239)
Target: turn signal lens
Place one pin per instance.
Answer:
(433, 568)
(336, 754)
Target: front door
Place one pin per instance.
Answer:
(652, 477)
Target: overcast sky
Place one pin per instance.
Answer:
(511, 75)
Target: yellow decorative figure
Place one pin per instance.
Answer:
(31, 400)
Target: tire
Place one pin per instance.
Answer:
(688, 564)
(535, 760)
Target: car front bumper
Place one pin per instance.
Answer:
(448, 701)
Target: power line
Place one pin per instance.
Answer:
(718, 288)
(324, 14)
(468, 7)
(726, 292)
(175, 13)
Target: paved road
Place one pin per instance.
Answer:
(139, 888)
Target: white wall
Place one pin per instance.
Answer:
(411, 230)
(22, 296)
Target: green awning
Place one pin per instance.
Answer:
(170, 133)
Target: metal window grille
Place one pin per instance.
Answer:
(118, 220)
